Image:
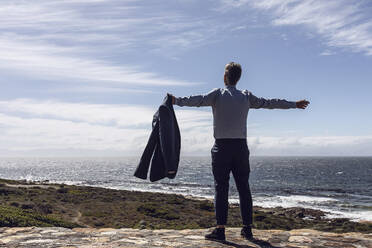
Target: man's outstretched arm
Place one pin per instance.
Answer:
(259, 102)
(196, 100)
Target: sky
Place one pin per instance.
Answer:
(84, 77)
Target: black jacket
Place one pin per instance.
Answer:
(163, 146)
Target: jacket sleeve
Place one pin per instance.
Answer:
(259, 102)
(144, 164)
(198, 100)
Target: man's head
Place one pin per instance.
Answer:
(233, 71)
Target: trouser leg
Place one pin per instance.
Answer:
(221, 202)
(241, 172)
(221, 171)
(245, 198)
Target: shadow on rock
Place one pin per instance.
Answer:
(260, 243)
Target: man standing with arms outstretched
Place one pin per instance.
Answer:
(230, 152)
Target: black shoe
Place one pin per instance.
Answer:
(217, 234)
(247, 232)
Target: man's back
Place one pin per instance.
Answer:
(230, 109)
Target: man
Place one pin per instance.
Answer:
(230, 152)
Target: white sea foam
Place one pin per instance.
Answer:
(319, 203)
(291, 201)
(352, 215)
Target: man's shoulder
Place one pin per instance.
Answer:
(214, 91)
(222, 90)
(245, 91)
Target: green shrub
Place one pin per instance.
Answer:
(206, 205)
(62, 190)
(15, 217)
(27, 206)
(157, 211)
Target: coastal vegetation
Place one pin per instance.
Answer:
(44, 204)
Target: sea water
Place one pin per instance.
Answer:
(340, 186)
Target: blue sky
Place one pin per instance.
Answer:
(83, 78)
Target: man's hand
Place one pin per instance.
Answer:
(302, 104)
(173, 98)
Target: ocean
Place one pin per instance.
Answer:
(340, 186)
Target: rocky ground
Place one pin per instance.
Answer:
(126, 237)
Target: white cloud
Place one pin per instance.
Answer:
(119, 24)
(342, 24)
(98, 114)
(312, 145)
(39, 128)
(49, 126)
(27, 134)
(51, 62)
(78, 40)
(101, 89)
(326, 53)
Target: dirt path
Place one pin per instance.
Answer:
(76, 219)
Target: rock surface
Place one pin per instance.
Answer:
(126, 237)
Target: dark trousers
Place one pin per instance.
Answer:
(231, 155)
